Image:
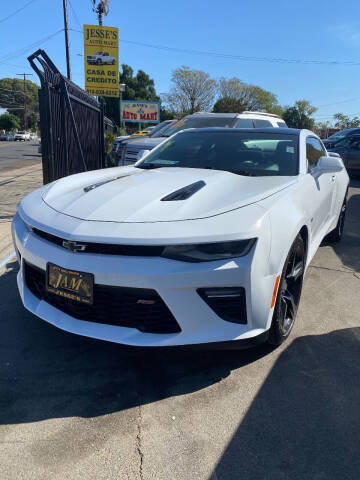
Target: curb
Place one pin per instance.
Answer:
(5, 260)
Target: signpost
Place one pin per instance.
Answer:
(101, 56)
(140, 111)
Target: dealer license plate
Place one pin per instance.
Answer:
(70, 284)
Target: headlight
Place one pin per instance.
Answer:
(206, 252)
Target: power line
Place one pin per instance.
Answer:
(21, 51)
(75, 14)
(238, 57)
(17, 11)
(338, 103)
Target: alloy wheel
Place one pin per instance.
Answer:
(291, 288)
(342, 219)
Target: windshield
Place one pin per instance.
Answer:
(341, 134)
(244, 153)
(199, 122)
(161, 131)
(157, 128)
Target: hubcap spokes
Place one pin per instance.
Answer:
(291, 289)
(342, 219)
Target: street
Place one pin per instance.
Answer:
(20, 173)
(18, 154)
(73, 407)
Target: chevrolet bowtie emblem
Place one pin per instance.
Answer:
(73, 246)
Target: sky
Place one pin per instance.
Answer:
(306, 30)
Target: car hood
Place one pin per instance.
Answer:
(146, 142)
(129, 194)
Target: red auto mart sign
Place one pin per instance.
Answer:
(140, 111)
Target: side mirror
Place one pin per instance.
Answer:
(329, 165)
(141, 154)
(334, 154)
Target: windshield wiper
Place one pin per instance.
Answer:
(151, 166)
(245, 173)
(237, 172)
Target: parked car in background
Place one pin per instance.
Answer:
(336, 137)
(206, 240)
(22, 135)
(348, 148)
(118, 146)
(7, 137)
(131, 150)
(144, 132)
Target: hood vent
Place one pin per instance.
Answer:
(185, 192)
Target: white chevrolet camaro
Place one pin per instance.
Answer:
(206, 239)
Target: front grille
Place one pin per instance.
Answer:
(131, 153)
(112, 305)
(229, 303)
(120, 149)
(106, 248)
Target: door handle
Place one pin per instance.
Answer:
(333, 178)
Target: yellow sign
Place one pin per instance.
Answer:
(140, 111)
(101, 55)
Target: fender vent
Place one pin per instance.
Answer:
(185, 192)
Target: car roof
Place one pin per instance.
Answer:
(213, 115)
(286, 131)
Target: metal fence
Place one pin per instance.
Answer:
(72, 123)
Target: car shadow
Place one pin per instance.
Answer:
(304, 422)
(48, 373)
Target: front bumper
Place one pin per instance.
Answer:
(174, 281)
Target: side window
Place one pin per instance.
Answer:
(282, 125)
(244, 123)
(314, 150)
(355, 144)
(262, 124)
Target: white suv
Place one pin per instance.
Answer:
(131, 148)
(259, 120)
(22, 136)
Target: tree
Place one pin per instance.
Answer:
(139, 87)
(9, 122)
(322, 128)
(191, 91)
(12, 96)
(228, 105)
(299, 116)
(237, 96)
(343, 121)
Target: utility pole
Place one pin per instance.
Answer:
(25, 112)
(67, 46)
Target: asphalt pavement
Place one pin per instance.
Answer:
(15, 155)
(20, 173)
(78, 408)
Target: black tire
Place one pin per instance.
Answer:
(335, 235)
(289, 293)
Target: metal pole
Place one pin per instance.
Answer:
(120, 122)
(25, 111)
(100, 12)
(67, 46)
